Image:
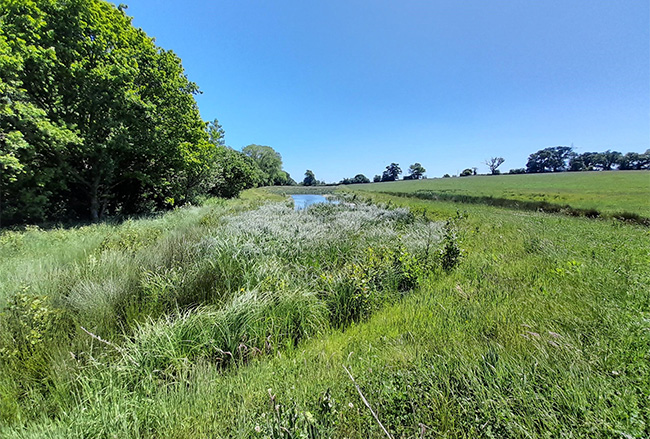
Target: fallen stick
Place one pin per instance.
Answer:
(365, 401)
(114, 346)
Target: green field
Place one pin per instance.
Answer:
(236, 319)
(608, 193)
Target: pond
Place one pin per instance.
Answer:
(301, 201)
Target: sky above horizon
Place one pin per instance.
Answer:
(348, 87)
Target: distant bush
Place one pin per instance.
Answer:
(466, 172)
(517, 171)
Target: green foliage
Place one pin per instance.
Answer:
(361, 287)
(358, 179)
(269, 165)
(551, 159)
(216, 133)
(31, 330)
(219, 285)
(542, 332)
(466, 172)
(416, 171)
(636, 161)
(94, 118)
(310, 179)
(234, 172)
(391, 173)
(451, 253)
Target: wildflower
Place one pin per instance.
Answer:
(350, 405)
(258, 429)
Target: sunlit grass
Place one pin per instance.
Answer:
(605, 192)
(541, 331)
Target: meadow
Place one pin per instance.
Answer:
(606, 193)
(243, 318)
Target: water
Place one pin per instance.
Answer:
(301, 201)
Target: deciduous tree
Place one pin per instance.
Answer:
(269, 164)
(493, 163)
(416, 171)
(96, 118)
(551, 159)
(391, 173)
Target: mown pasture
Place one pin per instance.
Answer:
(612, 193)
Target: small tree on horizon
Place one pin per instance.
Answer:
(310, 178)
(392, 172)
(466, 172)
(416, 171)
(493, 163)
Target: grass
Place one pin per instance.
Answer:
(615, 193)
(541, 329)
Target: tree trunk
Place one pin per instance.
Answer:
(94, 200)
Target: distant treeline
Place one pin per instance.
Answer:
(553, 159)
(563, 158)
(96, 120)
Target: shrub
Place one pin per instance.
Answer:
(451, 253)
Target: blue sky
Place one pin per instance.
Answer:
(347, 87)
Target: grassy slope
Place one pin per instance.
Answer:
(608, 192)
(541, 332)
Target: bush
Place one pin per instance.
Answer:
(451, 253)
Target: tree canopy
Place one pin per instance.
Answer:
(310, 178)
(551, 159)
(94, 117)
(391, 173)
(416, 171)
(357, 179)
(269, 164)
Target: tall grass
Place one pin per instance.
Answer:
(220, 284)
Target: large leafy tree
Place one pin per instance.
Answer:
(269, 164)
(608, 159)
(95, 118)
(391, 173)
(635, 160)
(310, 178)
(586, 161)
(551, 159)
(230, 171)
(233, 172)
(416, 171)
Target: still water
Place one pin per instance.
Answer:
(301, 201)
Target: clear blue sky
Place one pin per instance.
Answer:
(347, 87)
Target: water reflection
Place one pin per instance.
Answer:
(301, 201)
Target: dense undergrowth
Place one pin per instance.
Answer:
(218, 285)
(538, 328)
